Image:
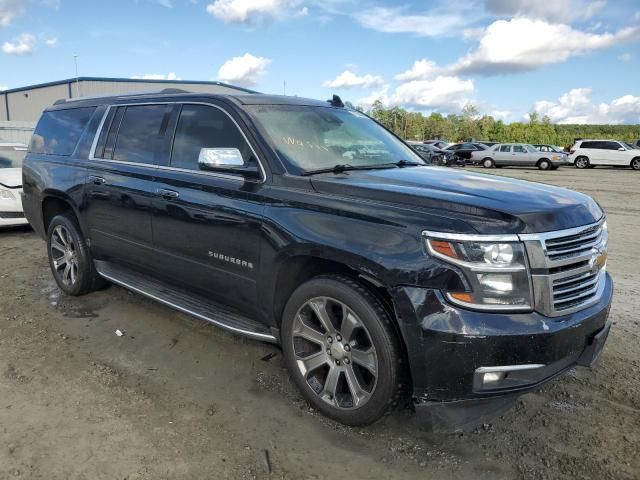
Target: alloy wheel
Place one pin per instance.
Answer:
(64, 255)
(487, 163)
(334, 353)
(582, 162)
(635, 164)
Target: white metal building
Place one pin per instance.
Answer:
(20, 108)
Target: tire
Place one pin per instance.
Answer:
(488, 163)
(354, 380)
(69, 257)
(544, 164)
(635, 163)
(581, 162)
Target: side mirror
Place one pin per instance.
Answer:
(621, 149)
(226, 160)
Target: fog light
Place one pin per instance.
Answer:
(493, 377)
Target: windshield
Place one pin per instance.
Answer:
(309, 138)
(11, 157)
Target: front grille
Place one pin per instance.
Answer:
(569, 268)
(10, 215)
(573, 245)
(575, 290)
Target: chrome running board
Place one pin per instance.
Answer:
(185, 302)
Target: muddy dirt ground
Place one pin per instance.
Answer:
(175, 398)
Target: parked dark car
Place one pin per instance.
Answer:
(463, 151)
(433, 155)
(307, 224)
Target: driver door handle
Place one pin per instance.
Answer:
(167, 194)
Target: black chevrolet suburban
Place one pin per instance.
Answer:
(308, 224)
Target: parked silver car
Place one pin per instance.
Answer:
(519, 155)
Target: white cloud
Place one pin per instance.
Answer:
(21, 45)
(625, 57)
(51, 42)
(158, 76)
(442, 93)
(10, 9)
(255, 11)
(3, 88)
(428, 24)
(421, 70)
(348, 79)
(576, 106)
(245, 70)
(555, 11)
(524, 44)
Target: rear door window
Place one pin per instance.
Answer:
(141, 133)
(59, 131)
(519, 149)
(505, 148)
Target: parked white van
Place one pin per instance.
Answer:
(590, 153)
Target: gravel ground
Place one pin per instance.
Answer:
(176, 398)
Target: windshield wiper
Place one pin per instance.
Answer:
(408, 163)
(344, 167)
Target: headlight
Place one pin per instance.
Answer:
(494, 267)
(6, 194)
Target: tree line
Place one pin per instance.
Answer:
(470, 125)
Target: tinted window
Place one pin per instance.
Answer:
(201, 126)
(519, 149)
(612, 145)
(140, 134)
(505, 148)
(58, 131)
(590, 145)
(454, 147)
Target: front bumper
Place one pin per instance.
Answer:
(446, 346)
(11, 212)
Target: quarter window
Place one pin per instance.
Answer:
(58, 131)
(202, 126)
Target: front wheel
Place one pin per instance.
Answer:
(581, 162)
(487, 163)
(635, 163)
(341, 350)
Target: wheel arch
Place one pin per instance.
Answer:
(54, 203)
(294, 270)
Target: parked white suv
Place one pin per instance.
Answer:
(589, 153)
(11, 155)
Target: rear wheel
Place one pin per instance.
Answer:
(544, 164)
(341, 350)
(635, 163)
(581, 162)
(69, 257)
(487, 163)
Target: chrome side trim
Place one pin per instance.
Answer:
(259, 336)
(161, 167)
(509, 368)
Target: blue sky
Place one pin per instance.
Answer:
(577, 61)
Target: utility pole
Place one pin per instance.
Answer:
(75, 60)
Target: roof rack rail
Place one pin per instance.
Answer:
(164, 91)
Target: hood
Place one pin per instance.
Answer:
(11, 177)
(490, 203)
